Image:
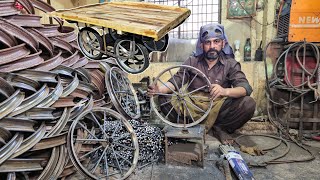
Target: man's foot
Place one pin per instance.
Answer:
(222, 136)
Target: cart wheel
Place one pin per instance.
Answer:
(90, 43)
(183, 107)
(122, 93)
(113, 33)
(132, 57)
(159, 45)
(101, 152)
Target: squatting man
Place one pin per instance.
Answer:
(229, 89)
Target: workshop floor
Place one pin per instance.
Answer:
(305, 170)
(293, 171)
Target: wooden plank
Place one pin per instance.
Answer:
(140, 18)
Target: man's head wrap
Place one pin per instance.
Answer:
(213, 30)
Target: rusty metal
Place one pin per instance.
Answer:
(104, 67)
(45, 7)
(6, 90)
(7, 8)
(31, 101)
(74, 44)
(10, 104)
(99, 102)
(53, 96)
(61, 162)
(7, 150)
(92, 65)
(29, 142)
(122, 93)
(22, 165)
(43, 40)
(71, 60)
(23, 63)
(83, 74)
(40, 76)
(20, 82)
(87, 87)
(63, 70)
(55, 165)
(25, 20)
(67, 33)
(7, 39)
(64, 102)
(45, 174)
(60, 124)
(68, 170)
(104, 145)
(84, 104)
(98, 80)
(62, 44)
(79, 93)
(17, 124)
(80, 63)
(50, 142)
(27, 6)
(5, 135)
(13, 53)
(71, 87)
(50, 64)
(19, 33)
(40, 114)
(49, 30)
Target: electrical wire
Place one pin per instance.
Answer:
(281, 129)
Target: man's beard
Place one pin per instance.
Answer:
(212, 54)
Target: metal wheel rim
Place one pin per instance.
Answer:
(87, 39)
(154, 105)
(73, 153)
(159, 45)
(123, 56)
(116, 97)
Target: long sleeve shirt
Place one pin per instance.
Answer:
(226, 72)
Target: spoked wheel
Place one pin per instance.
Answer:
(90, 43)
(122, 93)
(132, 57)
(159, 45)
(184, 107)
(99, 151)
(113, 33)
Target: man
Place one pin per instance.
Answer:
(229, 88)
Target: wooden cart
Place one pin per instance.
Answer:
(128, 31)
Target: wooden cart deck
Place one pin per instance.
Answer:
(140, 18)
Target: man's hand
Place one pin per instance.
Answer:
(217, 91)
(152, 89)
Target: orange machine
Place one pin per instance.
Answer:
(299, 20)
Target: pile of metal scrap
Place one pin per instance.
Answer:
(56, 105)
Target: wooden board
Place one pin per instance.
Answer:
(140, 18)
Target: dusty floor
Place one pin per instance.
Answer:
(305, 170)
(293, 171)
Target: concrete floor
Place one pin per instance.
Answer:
(303, 171)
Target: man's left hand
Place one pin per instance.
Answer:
(216, 91)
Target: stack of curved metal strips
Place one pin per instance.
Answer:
(47, 90)
(45, 85)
